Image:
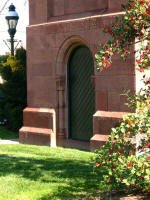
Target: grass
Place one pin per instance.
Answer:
(43, 173)
(7, 134)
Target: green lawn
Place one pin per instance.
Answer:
(33, 172)
(6, 134)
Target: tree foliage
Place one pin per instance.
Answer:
(3, 58)
(13, 72)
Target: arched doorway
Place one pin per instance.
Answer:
(81, 94)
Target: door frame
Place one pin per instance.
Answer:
(77, 46)
(61, 83)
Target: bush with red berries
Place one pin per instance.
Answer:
(124, 161)
(130, 29)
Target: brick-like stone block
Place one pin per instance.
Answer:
(35, 136)
(115, 83)
(104, 121)
(115, 5)
(38, 11)
(39, 127)
(102, 100)
(39, 118)
(114, 101)
(68, 7)
(58, 7)
(97, 141)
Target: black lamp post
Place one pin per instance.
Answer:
(12, 20)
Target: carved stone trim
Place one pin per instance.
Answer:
(60, 83)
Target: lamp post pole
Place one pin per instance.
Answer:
(12, 44)
(12, 20)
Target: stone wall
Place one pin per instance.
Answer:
(42, 11)
(49, 44)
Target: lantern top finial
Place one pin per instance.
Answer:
(12, 7)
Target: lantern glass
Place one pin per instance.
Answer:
(12, 23)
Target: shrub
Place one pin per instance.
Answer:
(120, 159)
(3, 58)
(124, 160)
(127, 30)
(13, 72)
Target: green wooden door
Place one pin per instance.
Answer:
(81, 95)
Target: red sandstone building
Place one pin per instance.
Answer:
(69, 102)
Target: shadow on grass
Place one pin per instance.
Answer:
(73, 178)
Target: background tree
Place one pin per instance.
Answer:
(13, 72)
(3, 58)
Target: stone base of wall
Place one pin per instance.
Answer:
(35, 136)
(76, 144)
(103, 122)
(39, 127)
(97, 141)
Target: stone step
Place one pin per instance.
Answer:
(97, 141)
(35, 136)
(38, 117)
(76, 144)
(104, 121)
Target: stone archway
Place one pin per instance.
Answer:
(61, 83)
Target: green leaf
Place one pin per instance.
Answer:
(121, 160)
(148, 172)
(140, 165)
(123, 6)
(110, 172)
(125, 181)
(138, 173)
